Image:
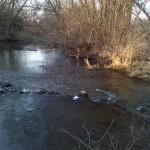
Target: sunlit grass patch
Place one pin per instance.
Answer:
(134, 62)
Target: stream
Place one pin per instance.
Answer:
(32, 121)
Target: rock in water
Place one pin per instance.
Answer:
(5, 84)
(53, 93)
(2, 90)
(12, 90)
(119, 108)
(141, 108)
(25, 91)
(41, 92)
(32, 49)
(82, 92)
(76, 98)
(83, 96)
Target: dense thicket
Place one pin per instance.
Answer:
(12, 18)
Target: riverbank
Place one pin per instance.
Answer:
(131, 62)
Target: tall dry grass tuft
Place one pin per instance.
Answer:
(134, 59)
(140, 66)
(121, 58)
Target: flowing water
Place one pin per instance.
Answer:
(41, 122)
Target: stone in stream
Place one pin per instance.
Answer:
(41, 92)
(12, 90)
(83, 96)
(5, 84)
(24, 91)
(2, 90)
(6, 87)
(75, 98)
(119, 108)
(52, 93)
(141, 108)
(48, 93)
(32, 49)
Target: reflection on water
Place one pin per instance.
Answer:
(22, 59)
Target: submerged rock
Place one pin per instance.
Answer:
(32, 49)
(12, 90)
(52, 93)
(97, 90)
(44, 92)
(6, 87)
(24, 91)
(119, 108)
(76, 98)
(141, 108)
(105, 96)
(82, 92)
(41, 92)
(5, 84)
(83, 96)
(2, 90)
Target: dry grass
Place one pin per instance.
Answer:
(140, 68)
(134, 59)
(120, 58)
(131, 61)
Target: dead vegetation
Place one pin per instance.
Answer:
(111, 32)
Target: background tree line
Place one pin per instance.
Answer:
(111, 31)
(12, 18)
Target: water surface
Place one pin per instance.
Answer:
(35, 122)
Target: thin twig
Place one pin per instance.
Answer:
(75, 137)
(131, 143)
(106, 131)
(111, 140)
(89, 137)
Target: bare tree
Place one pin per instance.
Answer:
(12, 15)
